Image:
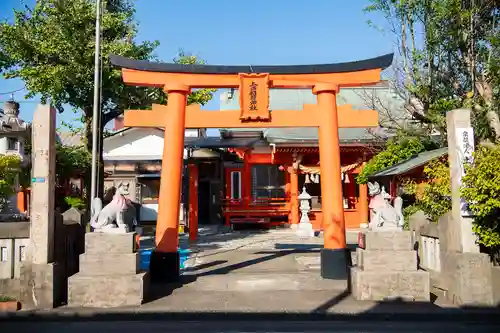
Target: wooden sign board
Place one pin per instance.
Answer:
(254, 97)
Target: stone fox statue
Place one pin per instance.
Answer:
(383, 215)
(119, 213)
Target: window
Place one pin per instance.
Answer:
(268, 182)
(12, 143)
(4, 254)
(236, 185)
(150, 190)
(22, 253)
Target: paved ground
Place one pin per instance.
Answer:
(258, 272)
(259, 282)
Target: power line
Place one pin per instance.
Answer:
(13, 91)
(21, 102)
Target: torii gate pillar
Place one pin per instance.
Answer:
(164, 264)
(334, 251)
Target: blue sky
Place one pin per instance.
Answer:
(258, 32)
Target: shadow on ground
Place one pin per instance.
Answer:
(191, 274)
(395, 311)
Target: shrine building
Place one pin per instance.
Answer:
(261, 186)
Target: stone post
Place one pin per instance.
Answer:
(43, 184)
(42, 274)
(467, 274)
(460, 149)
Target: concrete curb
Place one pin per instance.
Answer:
(413, 315)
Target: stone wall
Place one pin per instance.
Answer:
(14, 244)
(47, 291)
(463, 278)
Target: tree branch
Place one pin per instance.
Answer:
(110, 115)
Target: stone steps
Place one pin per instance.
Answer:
(387, 268)
(265, 281)
(109, 273)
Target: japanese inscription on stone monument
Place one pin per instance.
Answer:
(465, 150)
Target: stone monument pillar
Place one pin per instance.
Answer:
(467, 272)
(42, 273)
(460, 149)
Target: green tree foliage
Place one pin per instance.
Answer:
(71, 161)
(454, 65)
(74, 202)
(482, 192)
(10, 165)
(51, 48)
(449, 57)
(396, 150)
(433, 194)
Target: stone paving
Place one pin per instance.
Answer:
(258, 272)
(266, 271)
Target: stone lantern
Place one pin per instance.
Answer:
(305, 228)
(13, 132)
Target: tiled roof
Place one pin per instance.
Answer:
(294, 99)
(68, 138)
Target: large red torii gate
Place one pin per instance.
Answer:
(254, 83)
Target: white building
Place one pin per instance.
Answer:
(13, 133)
(134, 156)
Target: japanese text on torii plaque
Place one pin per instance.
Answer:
(254, 97)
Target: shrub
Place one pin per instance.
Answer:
(481, 191)
(10, 166)
(433, 196)
(6, 298)
(75, 202)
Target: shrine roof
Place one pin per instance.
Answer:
(219, 142)
(353, 66)
(411, 163)
(309, 136)
(68, 138)
(378, 97)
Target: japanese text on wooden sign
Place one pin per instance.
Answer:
(254, 97)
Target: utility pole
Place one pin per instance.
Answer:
(97, 98)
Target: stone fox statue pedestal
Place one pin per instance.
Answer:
(386, 268)
(109, 273)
